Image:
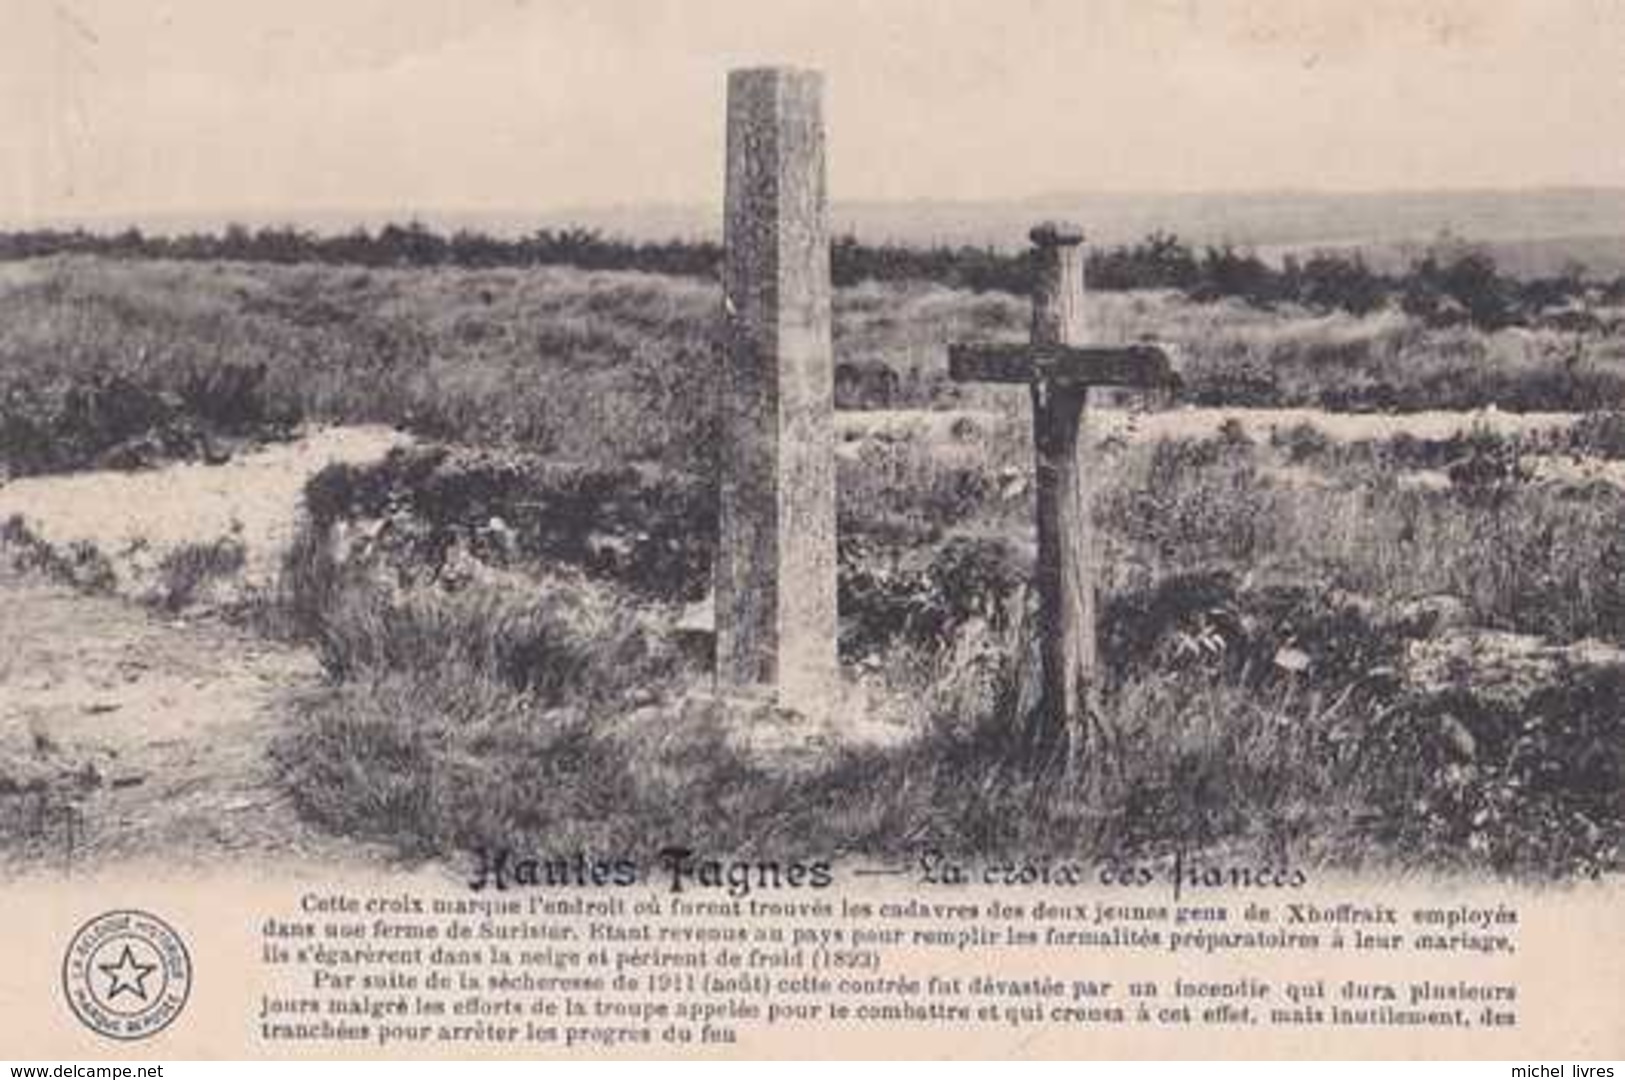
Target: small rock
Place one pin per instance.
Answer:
(215, 452)
(1293, 660)
(1423, 480)
(1459, 738)
(608, 546)
(1430, 615)
(698, 618)
(640, 697)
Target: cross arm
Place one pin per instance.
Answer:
(1144, 366)
(1141, 366)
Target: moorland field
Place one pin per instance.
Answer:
(1364, 648)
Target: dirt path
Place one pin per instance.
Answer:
(126, 734)
(1195, 422)
(135, 518)
(123, 735)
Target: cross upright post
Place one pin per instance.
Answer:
(1065, 531)
(1059, 369)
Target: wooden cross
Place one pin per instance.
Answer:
(1059, 370)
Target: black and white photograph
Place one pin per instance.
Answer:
(1149, 454)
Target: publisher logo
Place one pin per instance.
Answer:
(126, 974)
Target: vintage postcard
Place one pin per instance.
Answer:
(535, 528)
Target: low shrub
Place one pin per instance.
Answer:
(1461, 782)
(559, 639)
(80, 564)
(888, 596)
(646, 528)
(184, 572)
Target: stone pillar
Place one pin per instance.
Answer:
(775, 568)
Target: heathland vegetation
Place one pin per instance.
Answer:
(1451, 282)
(109, 360)
(1393, 651)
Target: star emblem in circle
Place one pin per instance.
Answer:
(128, 975)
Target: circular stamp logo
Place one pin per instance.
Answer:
(127, 974)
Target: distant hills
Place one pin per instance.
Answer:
(1255, 219)
(1529, 232)
(1532, 231)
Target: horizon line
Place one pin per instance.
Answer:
(409, 212)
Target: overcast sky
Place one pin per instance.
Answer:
(273, 106)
